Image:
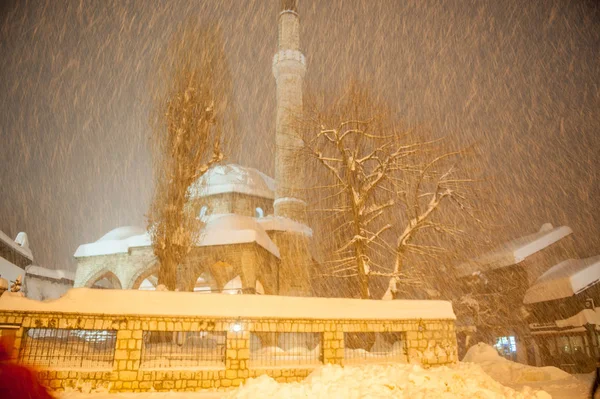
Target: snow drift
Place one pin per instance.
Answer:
(389, 381)
(505, 371)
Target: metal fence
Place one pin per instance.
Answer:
(374, 347)
(65, 348)
(179, 349)
(285, 349)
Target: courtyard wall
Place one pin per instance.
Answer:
(116, 351)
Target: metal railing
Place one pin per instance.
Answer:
(285, 349)
(367, 347)
(65, 348)
(181, 349)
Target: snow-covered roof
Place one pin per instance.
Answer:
(22, 249)
(220, 229)
(233, 178)
(515, 251)
(586, 316)
(162, 303)
(39, 271)
(281, 223)
(107, 246)
(236, 229)
(565, 279)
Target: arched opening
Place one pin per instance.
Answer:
(106, 280)
(233, 286)
(147, 278)
(259, 213)
(260, 290)
(149, 283)
(205, 284)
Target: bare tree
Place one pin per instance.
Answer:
(186, 141)
(383, 189)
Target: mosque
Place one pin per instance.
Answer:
(256, 238)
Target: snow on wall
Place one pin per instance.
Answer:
(162, 303)
(515, 251)
(281, 223)
(50, 273)
(22, 237)
(564, 280)
(233, 178)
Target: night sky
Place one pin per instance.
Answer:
(520, 78)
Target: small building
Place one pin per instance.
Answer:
(489, 303)
(565, 322)
(42, 284)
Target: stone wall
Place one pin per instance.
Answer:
(427, 342)
(239, 204)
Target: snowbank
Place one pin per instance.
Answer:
(157, 303)
(507, 372)
(389, 381)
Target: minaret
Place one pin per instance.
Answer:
(289, 67)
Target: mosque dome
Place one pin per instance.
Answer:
(121, 233)
(233, 178)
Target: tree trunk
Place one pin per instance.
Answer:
(167, 274)
(363, 278)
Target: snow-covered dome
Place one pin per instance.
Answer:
(121, 233)
(233, 178)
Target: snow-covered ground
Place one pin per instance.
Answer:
(482, 374)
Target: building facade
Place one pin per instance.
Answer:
(255, 239)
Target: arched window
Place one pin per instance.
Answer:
(259, 213)
(203, 212)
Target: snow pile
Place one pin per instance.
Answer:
(508, 372)
(386, 381)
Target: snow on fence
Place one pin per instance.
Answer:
(269, 349)
(381, 347)
(183, 349)
(49, 347)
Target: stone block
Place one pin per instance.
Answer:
(243, 353)
(127, 375)
(121, 354)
